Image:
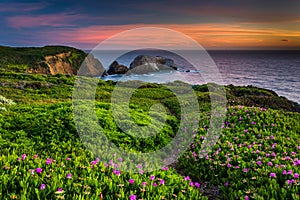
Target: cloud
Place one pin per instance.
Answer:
(50, 20)
(210, 35)
(22, 7)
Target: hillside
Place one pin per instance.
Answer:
(47, 60)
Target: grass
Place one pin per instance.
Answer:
(38, 131)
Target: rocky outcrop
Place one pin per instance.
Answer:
(62, 64)
(145, 64)
(92, 67)
(116, 68)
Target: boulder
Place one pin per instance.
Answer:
(143, 64)
(116, 68)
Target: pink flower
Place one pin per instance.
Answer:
(39, 170)
(187, 178)
(141, 171)
(154, 184)
(23, 156)
(36, 155)
(32, 171)
(131, 181)
(284, 172)
(132, 197)
(144, 184)
(42, 187)
(59, 190)
(272, 175)
(197, 184)
(68, 159)
(48, 161)
(246, 197)
(191, 184)
(290, 172)
(296, 175)
(162, 182)
(165, 168)
(226, 184)
(116, 172)
(152, 178)
(69, 175)
(259, 162)
(270, 163)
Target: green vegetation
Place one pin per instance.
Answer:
(256, 147)
(20, 59)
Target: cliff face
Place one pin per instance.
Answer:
(57, 64)
(50, 60)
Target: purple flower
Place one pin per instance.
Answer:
(141, 171)
(259, 162)
(152, 178)
(59, 191)
(270, 163)
(272, 175)
(131, 181)
(165, 168)
(42, 187)
(48, 161)
(226, 184)
(288, 182)
(246, 131)
(23, 156)
(162, 182)
(69, 175)
(253, 123)
(93, 162)
(39, 170)
(298, 147)
(290, 172)
(139, 166)
(144, 184)
(197, 184)
(246, 197)
(68, 159)
(154, 184)
(36, 155)
(32, 171)
(132, 197)
(116, 172)
(284, 172)
(191, 184)
(296, 175)
(187, 178)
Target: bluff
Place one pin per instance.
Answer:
(49, 60)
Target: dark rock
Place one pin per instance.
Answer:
(143, 64)
(116, 68)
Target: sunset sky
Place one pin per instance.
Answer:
(215, 24)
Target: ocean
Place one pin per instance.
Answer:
(275, 70)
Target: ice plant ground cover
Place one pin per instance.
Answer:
(42, 156)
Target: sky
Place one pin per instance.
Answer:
(214, 24)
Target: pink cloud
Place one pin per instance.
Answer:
(210, 35)
(52, 20)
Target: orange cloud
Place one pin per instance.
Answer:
(208, 35)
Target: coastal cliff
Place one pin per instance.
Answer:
(49, 60)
